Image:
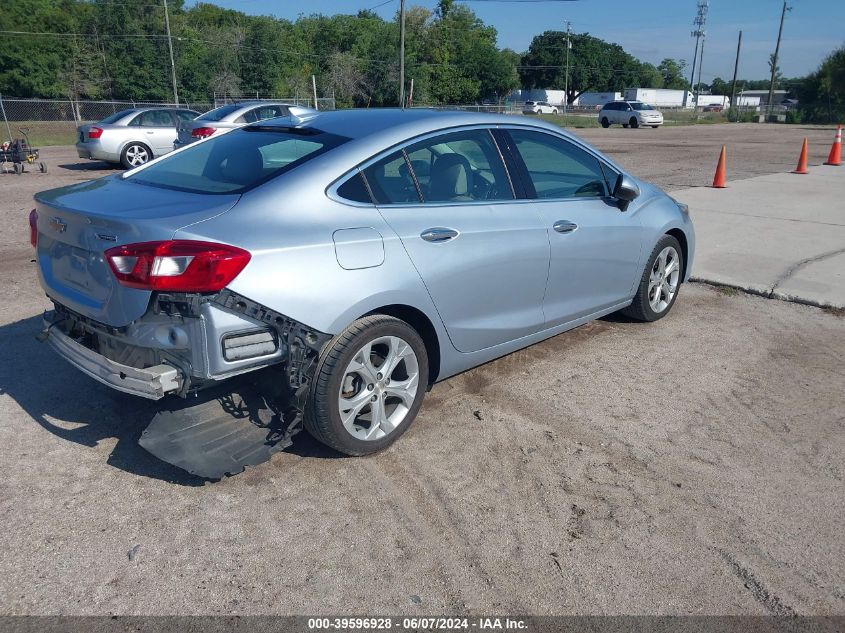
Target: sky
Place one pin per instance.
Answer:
(648, 29)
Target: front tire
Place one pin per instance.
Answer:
(368, 387)
(135, 155)
(660, 282)
(634, 123)
(605, 123)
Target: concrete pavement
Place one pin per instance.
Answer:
(781, 235)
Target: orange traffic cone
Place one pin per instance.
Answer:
(835, 156)
(719, 178)
(802, 160)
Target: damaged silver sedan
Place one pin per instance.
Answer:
(362, 255)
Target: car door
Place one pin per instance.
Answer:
(596, 248)
(482, 255)
(157, 130)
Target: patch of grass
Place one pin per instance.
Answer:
(43, 133)
(729, 291)
(569, 120)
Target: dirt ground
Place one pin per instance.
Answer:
(692, 466)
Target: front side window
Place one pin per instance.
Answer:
(460, 167)
(237, 161)
(557, 168)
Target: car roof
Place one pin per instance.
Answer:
(402, 124)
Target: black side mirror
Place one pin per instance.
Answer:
(625, 191)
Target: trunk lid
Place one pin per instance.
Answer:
(77, 224)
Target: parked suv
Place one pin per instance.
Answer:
(629, 114)
(538, 107)
(131, 137)
(233, 115)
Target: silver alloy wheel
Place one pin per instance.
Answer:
(136, 155)
(663, 280)
(378, 388)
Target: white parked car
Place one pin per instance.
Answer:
(629, 114)
(538, 107)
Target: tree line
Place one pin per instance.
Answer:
(109, 49)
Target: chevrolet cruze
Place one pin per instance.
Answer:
(362, 255)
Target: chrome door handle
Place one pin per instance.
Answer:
(439, 234)
(564, 226)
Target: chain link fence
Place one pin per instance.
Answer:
(54, 121)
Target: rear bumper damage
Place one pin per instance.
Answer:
(150, 382)
(186, 343)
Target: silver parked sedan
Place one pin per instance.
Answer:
(363, 254)
(233, 115)
(131, 137)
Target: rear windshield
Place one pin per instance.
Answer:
(237, 161)
(640, 106)
(117, 116)
(217, 114)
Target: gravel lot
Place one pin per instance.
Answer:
(690, 466)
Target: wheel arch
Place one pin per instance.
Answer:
(418, 320)
(679, 235)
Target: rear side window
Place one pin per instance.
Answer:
(237, 161)
(355, 190)
(557, 168)
(261, 113)
(153, 118)
(391, 181)
(184, 115)
(117, 116)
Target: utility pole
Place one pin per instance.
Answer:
(566, 76)
(733, 104)
(775, 60)
(700, 64)
(411, 94)
(170, 46)
(402, 54)
(699, 32)
(314, 90)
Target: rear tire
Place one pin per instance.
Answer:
(134, 155)
(357, 405)
(634, 123)
(605, 123)
(660, 282)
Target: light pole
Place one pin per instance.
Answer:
(402, 54)
(566, 74)
(170, 46)
(775, 60)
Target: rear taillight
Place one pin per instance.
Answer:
(33, 228)
(95, 132)
(202, 132)
(177, 265)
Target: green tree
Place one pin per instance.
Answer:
(821, 94)
(672, 71)
(594, 65)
